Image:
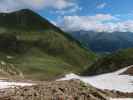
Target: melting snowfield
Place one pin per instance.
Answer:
(110, 81)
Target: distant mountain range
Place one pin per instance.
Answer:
(104, 42)
(32, 47)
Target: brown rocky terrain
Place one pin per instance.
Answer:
(129, 71)
(59, 90)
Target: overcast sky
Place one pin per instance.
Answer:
(75, 15)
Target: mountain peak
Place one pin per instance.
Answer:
(25, 10)
(24, 19)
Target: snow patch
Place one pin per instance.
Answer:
(110, 81)
(122, 99)
(4, 84)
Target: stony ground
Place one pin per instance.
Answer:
(129, 71)
(63, 90)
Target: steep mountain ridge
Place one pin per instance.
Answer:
(38, 48)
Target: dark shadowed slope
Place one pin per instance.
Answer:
(111, 62)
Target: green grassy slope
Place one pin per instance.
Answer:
(39, 49)
(111, 62)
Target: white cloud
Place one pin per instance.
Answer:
(101, 5)
(10, 5)
(125, 26)
(99, 22)
(71, 10)
(59, 4)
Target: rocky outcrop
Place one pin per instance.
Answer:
(129, 71)
(59, 90)
(63, 90)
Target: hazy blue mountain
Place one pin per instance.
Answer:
(104, 41)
